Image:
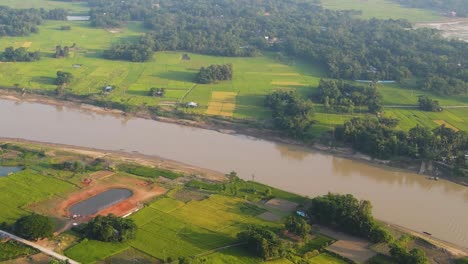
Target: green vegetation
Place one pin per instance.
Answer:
(460, 7)
(382, 9)
(326, 259)
(262, 242)
(348, 214)
(377, 137)
(427, 104)
(24, 188)
(291, 113)
(343, 97)
(108, 228)
(63, 78)
(461, 261)
(12, 250)
(91, 251)
(401, 254)
(297, 225)
(20, 54)
(148, 171)
(34, 227)
(214, 73)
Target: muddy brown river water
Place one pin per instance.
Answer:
(406, 199)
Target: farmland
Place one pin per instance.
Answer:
(382, 9)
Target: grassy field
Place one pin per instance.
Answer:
(326, 259)
(23, 188)
(383, 9)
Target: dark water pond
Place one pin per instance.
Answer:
(4, 171)
(100, 202)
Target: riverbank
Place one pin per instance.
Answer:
(233, 127)
(451, 249)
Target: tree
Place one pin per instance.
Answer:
(298, 226)
(262, 242)
(214, 73)
(109, 228)
(34, 227)
(63, 78)
(427, 104)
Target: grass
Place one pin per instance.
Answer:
(24, 188)
(326, 259)
(318, 242)
(148, 172)
(12, 250)
(90, 251)
(383, 9)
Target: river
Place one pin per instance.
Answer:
(406, 199)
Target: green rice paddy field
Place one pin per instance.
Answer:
(169, 228)
(253, 77)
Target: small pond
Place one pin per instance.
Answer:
(100, 202)
(5, 171)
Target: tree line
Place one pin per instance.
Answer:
(21, 22)
(214, 73)
(379, 138)
(343, 97)
(19, 54)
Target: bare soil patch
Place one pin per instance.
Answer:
(27, 44)
(282, 205)
(353, 248)
(187, 196)
(269, 216)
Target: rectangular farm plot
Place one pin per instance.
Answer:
(222, 104)
(448, 125)
(27, 44)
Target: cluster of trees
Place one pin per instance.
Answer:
(379, 138)
(297, 225)
(459, 6)
(291, 113)
(109, 228)
(34, 227)
(61, 52)
(427, 104)
(343, 97)
(348, 214)
(214, 73)
(63, 78)
(20, 22)
(262, 242)
(136, 52)
(400, 253)
(350, 48)
(19, 54)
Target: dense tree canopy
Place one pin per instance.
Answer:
(379, 138)
(343, 97)
(291, 113)
(214, 73)
(262, 242)
(20, 22)
(34, 227)
(297, 225)
(63, 78)
(110, 229)
(136, 52)
(427, 104)
(19, 54)
(459, 6)
(347, 213)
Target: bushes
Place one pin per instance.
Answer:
(348, 214)
(262, 242)
(148, 171)
(34, 227)
(109, 229)
(19, 54)
(427, 104)
(214, 73)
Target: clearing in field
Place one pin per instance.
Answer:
(222, 104)
(27, 44)
(448, 125)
